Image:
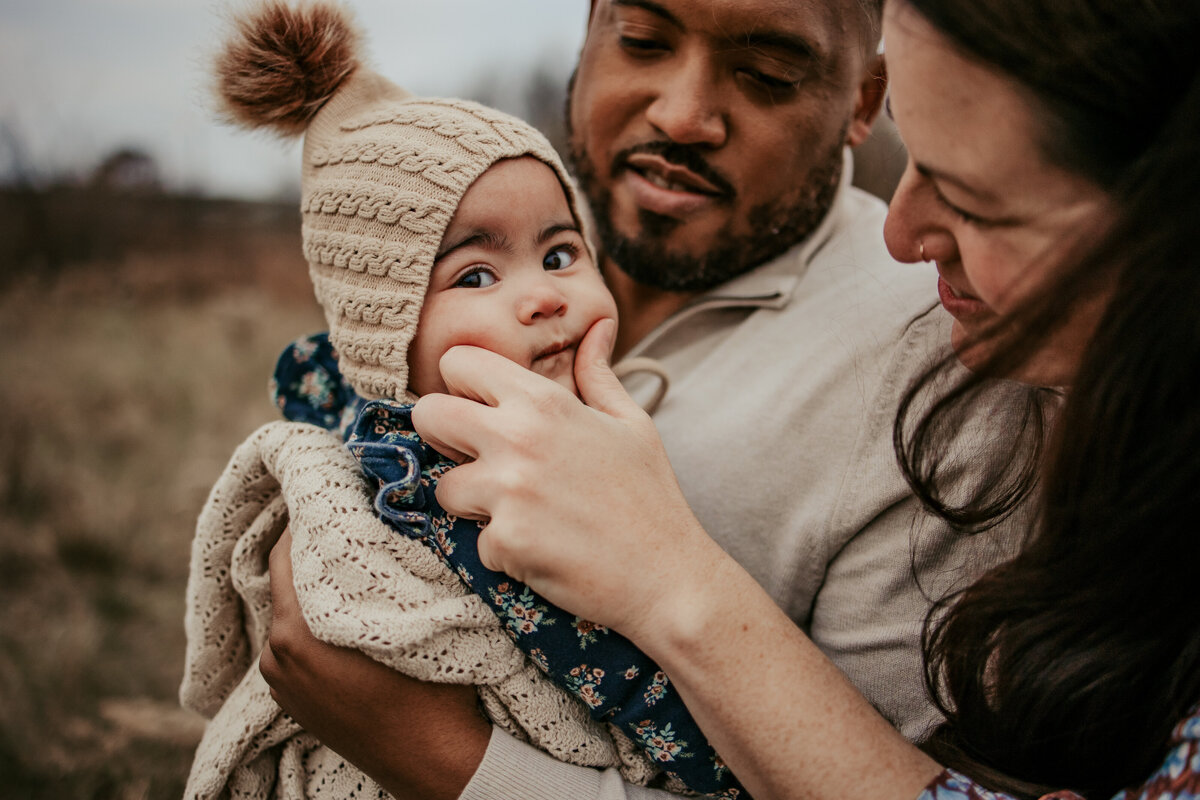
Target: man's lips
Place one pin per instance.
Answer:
(662, 187)
(667, 175)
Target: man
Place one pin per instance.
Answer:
(709, 139)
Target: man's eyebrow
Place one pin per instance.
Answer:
(552, 230)
(486, 239)
(980, 194)
(782, 40)
(651, 7)
(798, 46)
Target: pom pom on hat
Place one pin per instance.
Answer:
(283, 64)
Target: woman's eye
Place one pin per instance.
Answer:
(559, 258)
(965, 216)
(478, 278)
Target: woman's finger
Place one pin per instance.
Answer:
(451, 425)
(463, 492)
(486, 377)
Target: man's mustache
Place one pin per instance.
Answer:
(680, 155)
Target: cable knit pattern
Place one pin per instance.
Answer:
(387, 204)
(359, 254)
(467, 136)
(435, 167)
(360, 585)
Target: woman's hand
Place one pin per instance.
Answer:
(581, 500)
(583, 505)
(416, 739)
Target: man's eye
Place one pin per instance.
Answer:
(559, 258)
(641, 46)
(769, 82)
(477, 278)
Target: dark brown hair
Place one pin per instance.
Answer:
(1069, 666)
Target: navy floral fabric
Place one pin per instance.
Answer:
(609, 675)
(1177, 779)
(308, 386)
(615, 680)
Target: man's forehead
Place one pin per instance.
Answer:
(815, 25)
(746, 14)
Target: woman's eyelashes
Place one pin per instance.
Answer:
(964, 216)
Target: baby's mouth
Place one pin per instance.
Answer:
(553, 358)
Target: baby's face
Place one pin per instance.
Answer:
(513, 276)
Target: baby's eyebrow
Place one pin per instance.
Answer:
(552, 230)
(486, 239)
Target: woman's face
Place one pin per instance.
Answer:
(978, 196)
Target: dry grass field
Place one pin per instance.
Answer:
(136, 336)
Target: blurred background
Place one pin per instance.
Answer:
(150, 273)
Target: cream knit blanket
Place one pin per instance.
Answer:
(361, 585)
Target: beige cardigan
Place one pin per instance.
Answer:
(361, 585)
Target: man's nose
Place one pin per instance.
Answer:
(688, 107)
(541, 298)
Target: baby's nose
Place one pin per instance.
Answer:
(540, 300)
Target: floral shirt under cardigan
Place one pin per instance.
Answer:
(616, 681)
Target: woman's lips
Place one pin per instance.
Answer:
(961, 306)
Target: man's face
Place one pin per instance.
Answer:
(708, 135)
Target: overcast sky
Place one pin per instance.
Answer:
(81, 78)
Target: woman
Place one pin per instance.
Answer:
(1055, 167)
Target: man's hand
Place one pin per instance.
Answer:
(581, 500)
(418, 740)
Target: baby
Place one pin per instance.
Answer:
(431, 223)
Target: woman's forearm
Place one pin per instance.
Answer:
(783, 717)
(583, 505)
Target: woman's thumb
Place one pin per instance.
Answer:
(598, 386)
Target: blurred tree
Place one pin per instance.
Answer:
(25, 223)
(127, 169)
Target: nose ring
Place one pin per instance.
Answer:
(921, 248)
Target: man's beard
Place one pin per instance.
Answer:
(773, 227)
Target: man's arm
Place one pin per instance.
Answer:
(416, 739)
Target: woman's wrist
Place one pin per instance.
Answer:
(735, 656)
(691, 600)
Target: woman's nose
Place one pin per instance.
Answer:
(914, 229)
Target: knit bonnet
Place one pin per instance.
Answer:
(383, 172)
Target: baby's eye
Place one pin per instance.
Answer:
(476, 278)
(560, 257)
